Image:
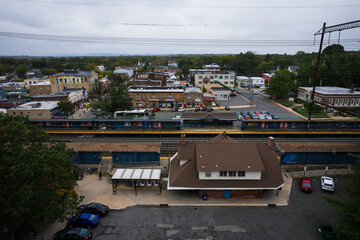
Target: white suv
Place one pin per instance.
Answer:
(327, 184)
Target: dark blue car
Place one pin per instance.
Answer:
(84, 220)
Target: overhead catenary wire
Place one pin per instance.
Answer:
(165, 41)
(223, 6)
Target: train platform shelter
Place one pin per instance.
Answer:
(137, 177)
(198, 119)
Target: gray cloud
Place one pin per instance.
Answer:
(225, 20)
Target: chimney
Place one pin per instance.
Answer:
(271, 142)
(352, 88)
(182, 141)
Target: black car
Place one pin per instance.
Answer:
(204, 109)
(94, 208)
(232, 94)
(227, 108)
(238, 91)
(73, 233)
(210, 109)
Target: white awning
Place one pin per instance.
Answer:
(136, 174)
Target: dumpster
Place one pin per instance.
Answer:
(325, 231)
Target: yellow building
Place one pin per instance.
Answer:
(72, 80)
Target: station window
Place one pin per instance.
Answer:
(331, 101)
(341, 101)
(208, 174)
(346, 101)
(352, 101)
(337, 101)
(357, 102)
(232, 173)
(241, 173)
(223, 173)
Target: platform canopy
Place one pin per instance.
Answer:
(136, 174)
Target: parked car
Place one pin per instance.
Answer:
(156, 109)
(85, 220)
(268, 117)
(325, 231)
(72, 233)
(254, 116)
(327, 184)
(243, 113)
(238, 91)
(213, 104)
(227, 108)
(255, 92)
(240, 117)
(174, 109)
(275, 117)
(197, 109)
(204, 109)
(210, 109)
(182, 109)
(261, 116)
(232, 94)
(305, 185)
(247, 117)
(80, 175)
(94, 208)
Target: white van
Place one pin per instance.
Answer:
(213, 104)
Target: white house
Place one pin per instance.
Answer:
(257, 81)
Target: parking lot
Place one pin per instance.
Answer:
(296, 221)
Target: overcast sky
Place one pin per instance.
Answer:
(170, 27)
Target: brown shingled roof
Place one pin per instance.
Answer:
(187, 175)
(319, 147)
(228, 157)
(114, 147)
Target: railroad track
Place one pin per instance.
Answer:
(203, 139)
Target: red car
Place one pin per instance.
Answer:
(156, 109)
(305, 185)
(197, 109)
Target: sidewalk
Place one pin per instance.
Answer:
(101, 191)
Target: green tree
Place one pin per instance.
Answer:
(67, 107)
(36, 178)
(349, 209)
(21, 70)
(114, 98)
(282, 84)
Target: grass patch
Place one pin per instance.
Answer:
(286, 103)
(316, 113)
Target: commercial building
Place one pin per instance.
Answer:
(221, 93)
(30, 81)
(35, 110)
(209, 80)
(76, 97)
(125, 70)
(193, 97)
(224, 168)
(41, 88)
(72, 79)
(243, 81)
(332, 96)
(257, 81)
(156, 97)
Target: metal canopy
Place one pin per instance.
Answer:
(136, 174)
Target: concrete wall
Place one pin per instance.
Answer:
(318, 173)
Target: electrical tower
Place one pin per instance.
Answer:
(322, 31)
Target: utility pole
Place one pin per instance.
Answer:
(322, 31)
(316, 71)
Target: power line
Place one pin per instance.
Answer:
(113, 22)
(167, 41)
(192, 6)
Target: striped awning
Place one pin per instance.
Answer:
(136, 174)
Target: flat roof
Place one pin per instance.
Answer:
(331, 90)
(36, 105)
(156, 90)
(137, 174)
(114, 147)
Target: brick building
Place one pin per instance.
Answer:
(156, 97)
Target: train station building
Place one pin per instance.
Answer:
(224, 168)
